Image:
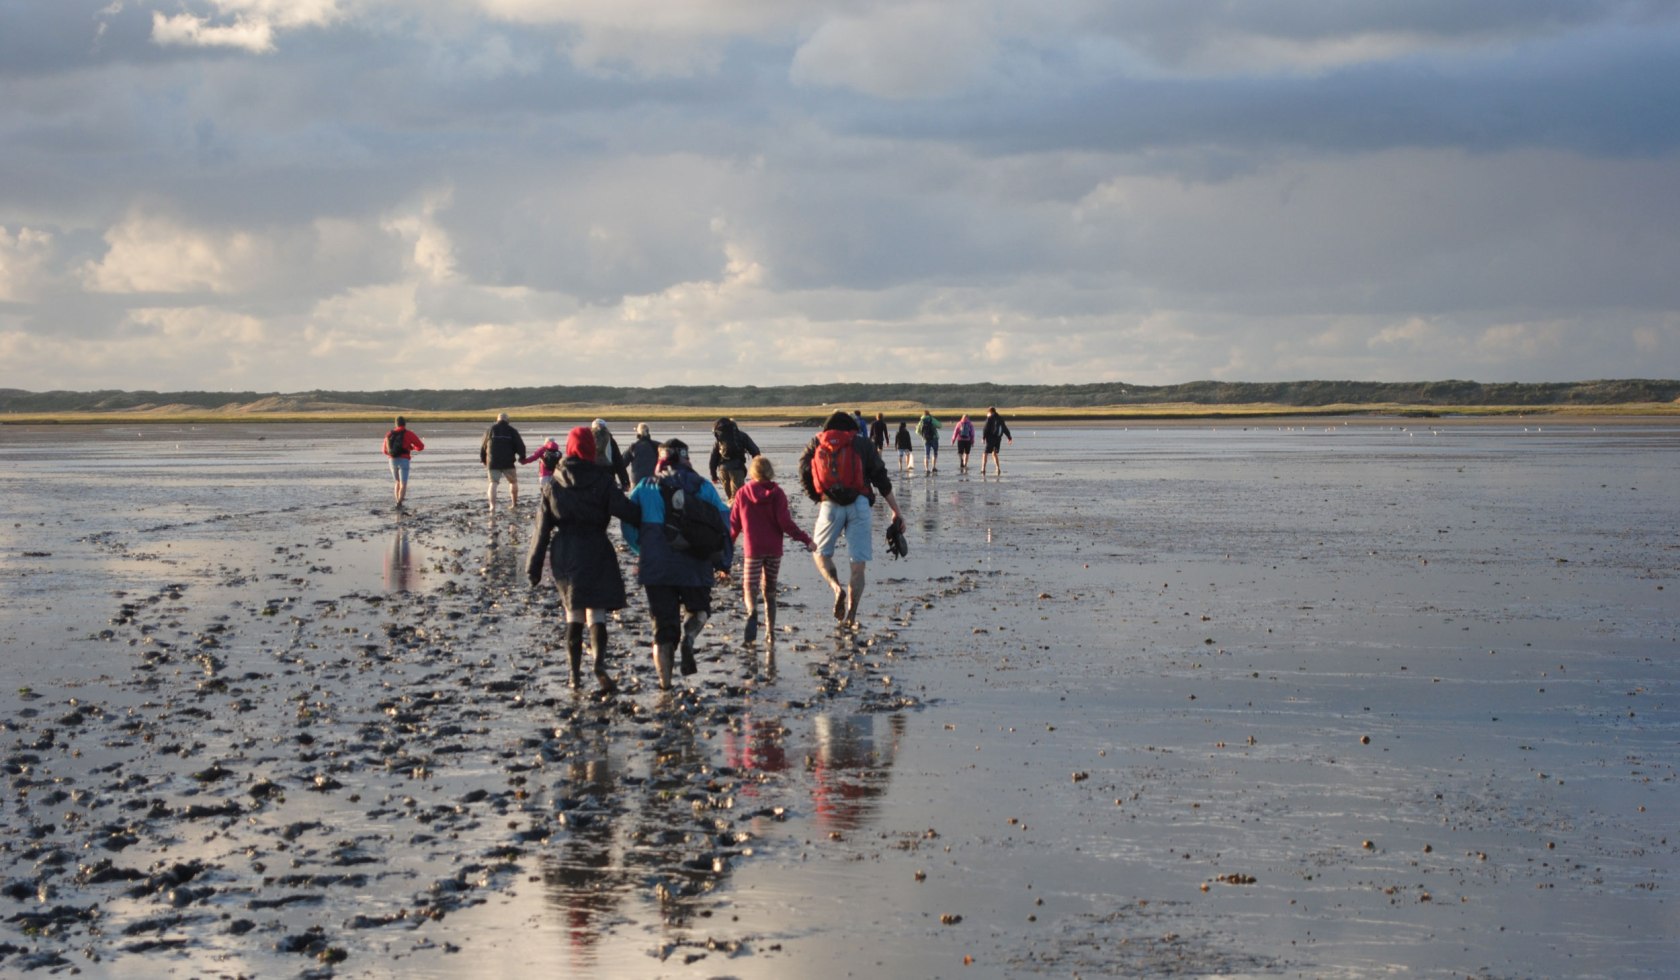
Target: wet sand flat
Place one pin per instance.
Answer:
(1237, 699)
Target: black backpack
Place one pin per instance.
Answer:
(551, 459)
(692, 525)
(396, 443)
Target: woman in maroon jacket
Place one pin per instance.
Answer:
(760, 511)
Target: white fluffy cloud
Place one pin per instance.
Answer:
(153, 254)
(24, 255)
(247, 25)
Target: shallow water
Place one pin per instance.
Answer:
(1145, 658)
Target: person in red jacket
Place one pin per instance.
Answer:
(760, 511)
(400, 444)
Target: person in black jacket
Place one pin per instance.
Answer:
(644, 454)
(995, 431)
(732, 450)
(500, 452)
(577, 505)
(843, 509)
(878, 433)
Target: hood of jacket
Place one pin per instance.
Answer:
(758, 491)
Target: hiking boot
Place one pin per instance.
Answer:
(663, 654)
(690, 636)
(598, 642)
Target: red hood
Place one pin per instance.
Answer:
(758, 491)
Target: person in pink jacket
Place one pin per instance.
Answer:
(760, 513)
(547, 457)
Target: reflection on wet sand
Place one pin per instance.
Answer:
(583, 880)
(400, 572)
(849, 771)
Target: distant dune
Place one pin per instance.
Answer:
(798, 402)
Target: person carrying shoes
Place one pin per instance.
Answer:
(841, 471)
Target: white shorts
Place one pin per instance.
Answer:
(853, 520)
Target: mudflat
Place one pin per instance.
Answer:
(1285, 697)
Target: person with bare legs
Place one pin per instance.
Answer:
(400, 445)
(500, 452)
(841, 471)
(760, 511)
(992, 434)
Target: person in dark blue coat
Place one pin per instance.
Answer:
(679, 585)
(577, 506)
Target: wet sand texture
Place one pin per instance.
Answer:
(1228, 700)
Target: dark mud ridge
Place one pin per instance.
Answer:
(290, 779)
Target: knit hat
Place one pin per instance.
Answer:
(580, 442)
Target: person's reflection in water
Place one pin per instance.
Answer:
(929, 512)
(583, 880)
(677, 846)
(756, 747)
(400, 573)
(849, 772)
(504, 561)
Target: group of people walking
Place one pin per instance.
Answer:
(994, 431)
(683, 531)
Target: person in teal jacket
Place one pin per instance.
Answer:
(678, 585)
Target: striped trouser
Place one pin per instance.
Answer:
(762, 571)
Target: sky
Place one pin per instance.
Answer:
(291, 195)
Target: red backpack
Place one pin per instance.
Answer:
(836, 468)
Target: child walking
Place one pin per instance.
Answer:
(760, 512)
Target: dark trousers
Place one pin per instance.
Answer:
(667, 603)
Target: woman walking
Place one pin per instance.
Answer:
(577, 506)
(760, 511)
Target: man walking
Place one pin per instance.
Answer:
(732, 449)
(928, 429)
(841, 471)
(400, 444)
(992, 435)
(643, 453)
(500, 452)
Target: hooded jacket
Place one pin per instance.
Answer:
(760, 511)
(577, 506)
(660, 563)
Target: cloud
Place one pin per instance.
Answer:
(153, 254)
(247, 25)
(403, 192)
(24, 257)
(913, 50)
(186, 30)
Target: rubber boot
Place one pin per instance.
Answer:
(663, 655)
(598, 643)
(690, 636)
(574, 652)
